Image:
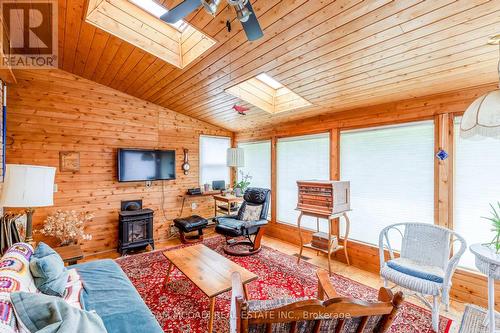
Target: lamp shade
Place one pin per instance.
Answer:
(236, 157)
(28, 186)
(482, 117)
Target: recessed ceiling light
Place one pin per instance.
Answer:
(151, 7)
(269, 81)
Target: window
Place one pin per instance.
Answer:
(477, 184)
(300, 158)
(213, 155)
(257, 163)
(391, 170)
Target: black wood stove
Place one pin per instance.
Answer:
(135, 229)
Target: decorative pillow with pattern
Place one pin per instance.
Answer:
(15, 275)
(251, 213)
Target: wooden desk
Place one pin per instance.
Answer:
(70, 254)
(208, 270)
(228, 199)
(192, 196)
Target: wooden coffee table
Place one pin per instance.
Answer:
(208, 270)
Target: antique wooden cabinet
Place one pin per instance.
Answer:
(324, 197)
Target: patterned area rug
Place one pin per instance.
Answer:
(183, 308)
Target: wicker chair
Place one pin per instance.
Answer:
(327, 313)
(426, 262)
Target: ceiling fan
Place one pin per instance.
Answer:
(243, 8)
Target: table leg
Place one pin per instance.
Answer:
(211, 318)
(169, 270)
(491, 305)
(215, 207)
(346, 237)
(300, 236)
(329, 246)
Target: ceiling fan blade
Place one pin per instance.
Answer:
(181, 11)
(252, 26)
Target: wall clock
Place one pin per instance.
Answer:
(185, 165)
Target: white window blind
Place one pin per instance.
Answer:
(391, 170)
(213, 154)
(300, 158)
(477, 184)
(257, 163)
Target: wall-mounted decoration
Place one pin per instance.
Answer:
(69, 161)
(185, 165)
(442, 155)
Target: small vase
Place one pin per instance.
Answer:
(238, 192)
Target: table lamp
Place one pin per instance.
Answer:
(28, 186)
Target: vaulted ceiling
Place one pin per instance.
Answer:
(336, 54)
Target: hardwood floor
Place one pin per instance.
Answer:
(356, 274)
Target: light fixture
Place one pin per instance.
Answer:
(482, 117)
(242, 12)
(235, 157)
(211, 6)
(28, 186)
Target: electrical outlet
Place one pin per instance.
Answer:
(194, 205)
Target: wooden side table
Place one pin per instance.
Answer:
(228, 199)
(70, 254)
(331, 249)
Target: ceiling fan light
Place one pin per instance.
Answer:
(242, 13)
(482, 117)
(211, 6)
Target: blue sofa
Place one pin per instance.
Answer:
(109, 292)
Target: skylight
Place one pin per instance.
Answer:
(138, 23)
(268, 94)
(158, 10)
(151, 6)
(269, 81)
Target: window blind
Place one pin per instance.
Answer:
(300, 158)
(257, 163)
(213, 154)
(391, 170)
(477, 184)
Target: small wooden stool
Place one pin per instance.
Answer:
(190, 224)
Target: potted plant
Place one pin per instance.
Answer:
(495, 223)
(241, 186)
(67, 226)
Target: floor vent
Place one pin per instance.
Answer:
(301, 257)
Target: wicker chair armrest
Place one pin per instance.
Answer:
(453, 262)
(381, 247)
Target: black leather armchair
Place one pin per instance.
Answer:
(233, 226)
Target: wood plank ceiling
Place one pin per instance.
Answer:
(337, 54)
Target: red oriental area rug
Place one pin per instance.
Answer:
(183, 308)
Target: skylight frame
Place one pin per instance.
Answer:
(268, 94)
(178, 44)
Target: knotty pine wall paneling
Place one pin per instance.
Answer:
(468, 286)
(52, 111)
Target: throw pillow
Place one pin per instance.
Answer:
(42, 313)
(251, 213)
(48, 271)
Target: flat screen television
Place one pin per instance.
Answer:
(136, 165)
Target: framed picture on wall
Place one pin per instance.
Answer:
(69, 161)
